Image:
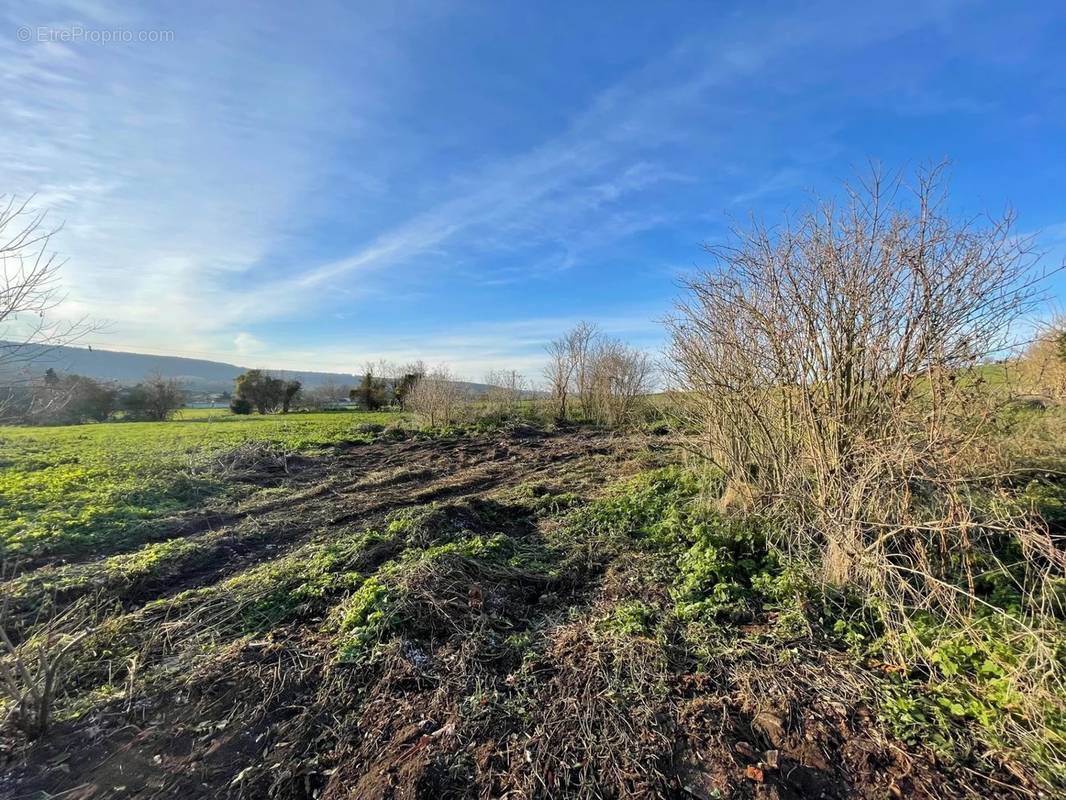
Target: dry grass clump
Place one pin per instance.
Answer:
(597, 723)
(1042, 367)
(834, 368)
(249, 461)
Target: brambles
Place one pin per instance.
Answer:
(837, 370)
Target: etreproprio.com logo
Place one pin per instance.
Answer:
(79, 33)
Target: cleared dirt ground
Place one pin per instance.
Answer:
(216, 666)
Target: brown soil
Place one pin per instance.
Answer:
(448, 708)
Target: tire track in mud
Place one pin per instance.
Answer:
(351, 486)
(166, 745)
(462, 484)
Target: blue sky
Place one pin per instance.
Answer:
(309, 185)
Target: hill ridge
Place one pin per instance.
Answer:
(196, 374)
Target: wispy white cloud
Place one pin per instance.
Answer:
(170, 178)
(246, 344)
(564, 190)
(470, 353)
(190, 173)
(780, 181)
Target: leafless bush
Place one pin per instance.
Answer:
(29, 290)
(327, 394)
(436, 398)
(617, 377)
(606, 376)
(565, 357)
(832, 367)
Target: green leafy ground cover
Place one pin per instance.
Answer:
(954, 690)
(68, 490)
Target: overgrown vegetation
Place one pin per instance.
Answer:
(492, 615)
(955, 687)
(833, 369)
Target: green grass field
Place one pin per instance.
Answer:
(188, 414)
(65, 490)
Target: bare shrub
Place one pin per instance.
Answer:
(1042, 367)
(29, 290)
(507, 391)
(606, 376)
(436, 398)
(582, 342)
(833, 366)
(617, 377)
(327, 394)
(564, 359)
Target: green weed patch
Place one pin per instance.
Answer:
(67, 491)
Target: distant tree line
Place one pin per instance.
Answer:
(68, 399)
(385, 384)
(591, 377)
(382, 385)
(256, 390)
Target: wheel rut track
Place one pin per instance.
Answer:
(475, 478)
(348, 487)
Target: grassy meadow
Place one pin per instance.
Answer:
(74, 489)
